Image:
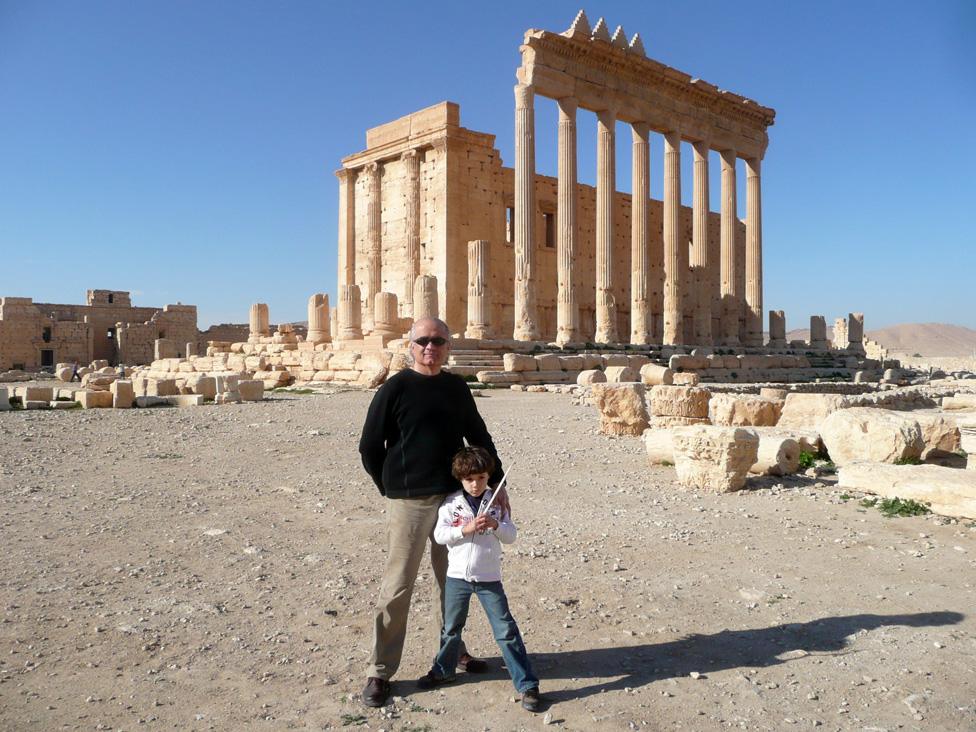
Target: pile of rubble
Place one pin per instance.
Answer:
(715, 440)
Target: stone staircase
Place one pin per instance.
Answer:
(468, 362)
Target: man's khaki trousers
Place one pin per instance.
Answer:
(410, 526)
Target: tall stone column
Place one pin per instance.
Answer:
(640, 236)
(840, 333)
(347, 226)
(411, 170)
(526, 317)
(701, 263)
(425, 297)
(777, 329)
(479, 301)
(754, 283)
(818, 332)
(386, 315)
(374, 238)
(567, 306)
(855, 332)
(675, 250)
(606, 306)
(318, 319)
(350, 314)
(731, 297)
(258, 321)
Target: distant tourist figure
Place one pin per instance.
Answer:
(121, 370)
(74, 371)
(473, 530)
(416, 422)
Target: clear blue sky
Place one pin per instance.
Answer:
(184, 150)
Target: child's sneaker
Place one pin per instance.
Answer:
(431, 680)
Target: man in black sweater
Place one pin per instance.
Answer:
(416, 422)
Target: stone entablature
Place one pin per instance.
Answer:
(602, 72)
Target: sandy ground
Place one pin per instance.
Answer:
(215, 568)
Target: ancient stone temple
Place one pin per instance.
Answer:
(556, 260)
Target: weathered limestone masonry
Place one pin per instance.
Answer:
(558, 253)
(107, 327)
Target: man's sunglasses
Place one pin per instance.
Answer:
(435, 341)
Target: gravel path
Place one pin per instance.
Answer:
(215, 568)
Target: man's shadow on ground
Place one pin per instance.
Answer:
(755, 647)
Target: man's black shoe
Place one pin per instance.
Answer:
(470, 664)
(530, 699)
(431, 680)
(376, 693)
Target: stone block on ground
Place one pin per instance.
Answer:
(62, 405)
(36, 404)
(94, 399)
(185, 400)
(548, 362)
(591, 376)
(616, 359)
(686, 378)
(519, 362)
(940, 434)
(809, 410)
(959, 401)
(593, 361)
(372, 377)
(652, 374)
(778, 455)
(680, 401)
(123, 395)
(251, 390)
(151, 401)
(161, 387)
(620, 374)
(571, 363)
(64, 373)
(769, 392)
(867, 433)
(622, 408)
(715, 459)
(659, 444)
(36, 394)
(499, 377)
(949, 491)
(744, 410)
(4, 399)
(808, 440)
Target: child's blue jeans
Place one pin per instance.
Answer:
(457, 598)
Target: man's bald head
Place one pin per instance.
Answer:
(437, 323)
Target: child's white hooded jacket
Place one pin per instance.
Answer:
(476, 558)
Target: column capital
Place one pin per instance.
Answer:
(753, 166)
(345, 174)
(729, 153)
(568, 105)
(524, 95)
(608, 115)
(640, 130)
(371, 168)
(410, 154)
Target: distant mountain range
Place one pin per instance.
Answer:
(927, 339)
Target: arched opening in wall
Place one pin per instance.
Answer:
(46, 334)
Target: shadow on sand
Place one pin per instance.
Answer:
(755, 647)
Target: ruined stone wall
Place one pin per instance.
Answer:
(88, 332)
(224, 332)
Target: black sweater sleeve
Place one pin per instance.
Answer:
(476, 434)
(373, 443)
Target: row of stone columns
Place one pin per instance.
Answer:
(644, 270)
(372, 174)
